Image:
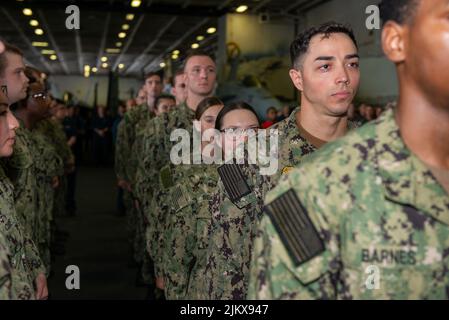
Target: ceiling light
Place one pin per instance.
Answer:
(27, 12)
(195, 46)
(121, 66)
(175, 57)
(39, 44)
(104, 59)
(241, 9)
(39, 31)
(112, 50)
(162, 64)
(45, 51)
(176, 52)
(34, 23)
(129, 16)
(122, 35)
(200, 38)
(94, 69)
(211, 30)
(104, 65)
(135, 3)
(53, 57)
(118, 44)
(125, 26)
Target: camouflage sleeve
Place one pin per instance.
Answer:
(12, 287)
(180, 241)
(278, 271)
(5, 272)
(48, 162)
(33, 257)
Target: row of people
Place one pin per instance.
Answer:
(350, 213)
(35, 161)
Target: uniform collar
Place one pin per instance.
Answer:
(405, 178)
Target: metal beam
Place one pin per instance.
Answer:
(103, 38)
(185, 36)
(121, 6)
(53, 41)
(47, 66)
(131, 37)
(260, 5)
(79, 51)
(294, 5)
(177, 42)
(142, 57)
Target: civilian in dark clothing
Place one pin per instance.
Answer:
(101, 126)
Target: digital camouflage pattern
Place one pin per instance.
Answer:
(232, 227)
(128, 137)
(382, 218)
(185, 237)
(11, 288)
(24, 257)
(54, 131)
(5, 271)
(20, 169)
(48, 165)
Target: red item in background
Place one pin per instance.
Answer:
(267, 124)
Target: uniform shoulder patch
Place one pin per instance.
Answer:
(295, 228)
(166, 177)
(234, 181)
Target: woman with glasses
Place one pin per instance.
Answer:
(236, 123)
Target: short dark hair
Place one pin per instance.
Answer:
(161, 97)
(9, 48)
(196, 53)
(231, 107)
(301, 44)
(206, 104)
(152, 74)
(399, 11)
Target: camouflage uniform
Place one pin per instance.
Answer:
(156, 154)
(231, 228)
(126, 166)
(234, 223)
(184, 233)
(366, 219)
(20, 169)
(120, 171)
(48, 165)
(54, 131)
(5, 271)
(11, 287)
(25, 260)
